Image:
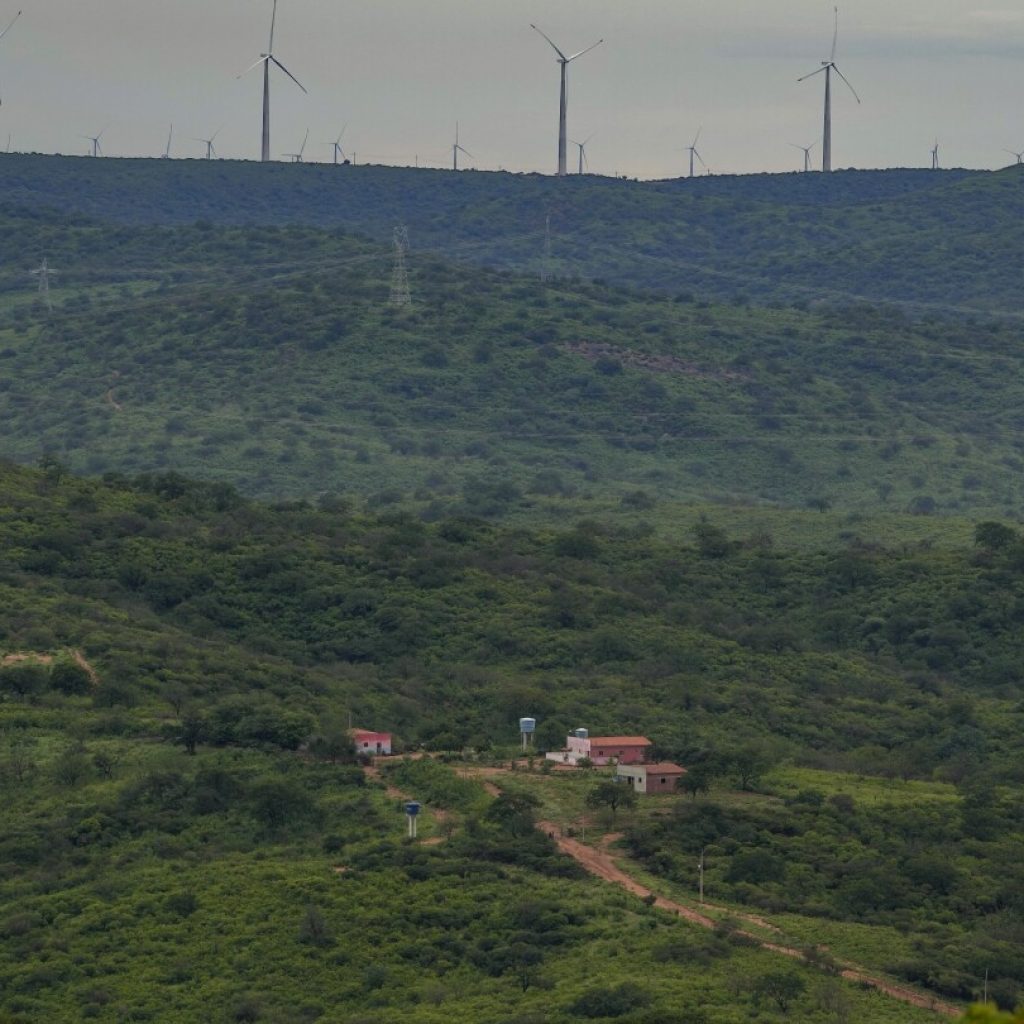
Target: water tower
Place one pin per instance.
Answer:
(527, 727)
(581, 734)
(412, 812)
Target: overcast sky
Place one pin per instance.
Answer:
(401, 72)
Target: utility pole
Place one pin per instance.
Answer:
(700, 875)
(43, 273)
(985, 999)
(400, 294)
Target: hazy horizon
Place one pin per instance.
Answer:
(400, 74)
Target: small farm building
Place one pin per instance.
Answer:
(371, 743)
(650, 778)
(602, 749)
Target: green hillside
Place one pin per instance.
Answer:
(248, 632)
(929, 240)
(269, 358)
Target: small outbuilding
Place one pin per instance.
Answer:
(649, 779)
(371, 744)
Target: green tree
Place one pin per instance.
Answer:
(192, 732)
(612, 795)
(780, 987)
(70, 678)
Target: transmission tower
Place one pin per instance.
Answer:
(400, 293)
(44, 274)
(545, 267)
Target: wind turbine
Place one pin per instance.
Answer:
(97, 149)
(338, 151)
(828, 66)
(582, 146)
(935, 156)
(211, 150)
(806, 150)
(1019, 156)
(297, 157)
(167, 151)
(10, 25)
(266, 59)
(564, 62)
(694, 153)
(457, 149)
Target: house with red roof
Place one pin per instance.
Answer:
(602, 750)
(371, 744)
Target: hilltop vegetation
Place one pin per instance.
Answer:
(921, 238)
(268, 358)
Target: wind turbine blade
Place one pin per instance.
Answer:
(696, 137)
(582, 53)
(812, 74)
(462, 149)
(216, 133)
(548, 38)
(10, 25)
(273, 23)
(847, 81)
(835, 37)
(262, 60)
(700, 158)
(288, 73)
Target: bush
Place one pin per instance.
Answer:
(611, 1002)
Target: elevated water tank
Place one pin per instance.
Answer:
(581, 734)
(412, 808)
(527, 726)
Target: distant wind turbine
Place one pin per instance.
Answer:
(582, 147)
(1019, 156)
(339, 153)
(692, 148)
(935, 156)
(266, 59)
(211, 150)
(167, 151)
(828, 66)
(97, 149)
(297, 157)
(564, 62)
(457, 149)
(806, 150)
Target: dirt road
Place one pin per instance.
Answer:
(601, 864)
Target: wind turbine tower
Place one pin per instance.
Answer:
(167, 151)
(935, 156)
(339, 153)
(266, 59)
(694, 153)
(828, 66)
(564, 63)
(582, 147)
(97, 149)
(806, 150)
(457, 149)
(211, 150)
(1019, 156)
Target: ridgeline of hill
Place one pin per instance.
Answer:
(927, 239)
(269, 358)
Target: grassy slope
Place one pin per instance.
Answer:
(269, 358)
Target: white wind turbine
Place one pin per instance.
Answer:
(1019, 156)
(564, 63)
(211, 150)
(97, 149)
(457, 149)
(692, 149)
(582, 147)
(167, 151)
(297, 157)
(828, 66)
(935, 156)
(339, 153)
(806, 150)
(266, 59)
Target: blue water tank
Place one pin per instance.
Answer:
(412, 808)
(581, 734)
(527, 725)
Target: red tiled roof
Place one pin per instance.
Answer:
(368, 732)
(666, 768)
(619, 741)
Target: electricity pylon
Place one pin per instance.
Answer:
(400, 293)
(44, 273)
